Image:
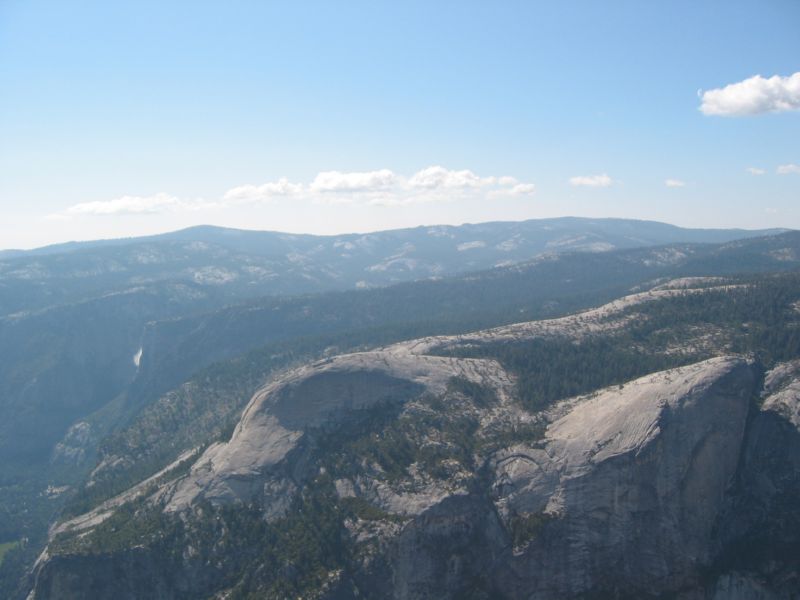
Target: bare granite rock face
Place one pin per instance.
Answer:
(782, 392)
(257, 462)
(633, 479)
(445, 551)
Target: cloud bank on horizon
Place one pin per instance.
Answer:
(382, 187)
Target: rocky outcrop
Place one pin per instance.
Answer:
(611, 317)
(445, 552)
(676, 484)
(634, 478)
(73, 448)
(256, 463)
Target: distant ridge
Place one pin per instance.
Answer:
(233, 238)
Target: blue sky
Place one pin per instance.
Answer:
(125, 118)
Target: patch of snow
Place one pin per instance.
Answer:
(32, 271)
(504, 263)
(598, 247)
(53, 491)
(470, 245)
(510, 244)
(259, 271)
(213, 276)
(440, 232)
(197, 245)
(784, 254)
(147, 257)
(565, 241)
(297, 258)
(397, 259)
(668, 256)
(395, 264)
(688, 282)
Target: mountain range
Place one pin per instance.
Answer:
(127, 365)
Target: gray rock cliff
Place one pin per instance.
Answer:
(677, 484)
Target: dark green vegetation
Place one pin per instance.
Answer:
(5, 548)
(756, 316)
(525, 528)
(432, 434)
(760, 318)
(551, 369)
(287, 558)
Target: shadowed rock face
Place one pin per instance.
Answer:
(759, 531)
(444, 552)
(65, 577)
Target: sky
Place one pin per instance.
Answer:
(130, 118)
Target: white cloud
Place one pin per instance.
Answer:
(263, 193)
(754, 96)
(755, 171)
(128, 205)
(336, 181)
(437, 177)
(519, 189)
(432, 184)
(674, 183)
(373, 188)
(591, 180)
(523, 189)
(788, 169)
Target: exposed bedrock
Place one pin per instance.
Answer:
(627, 486)
(674, 485)
(633, 479)
(265, 456)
